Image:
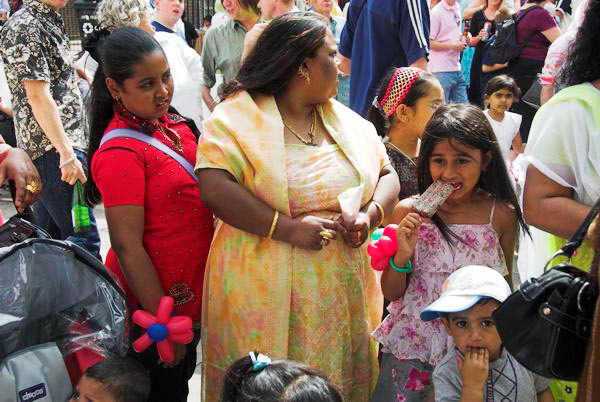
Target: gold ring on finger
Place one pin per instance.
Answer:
(32, 187)
(326, 234)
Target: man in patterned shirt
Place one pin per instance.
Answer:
(48, 112)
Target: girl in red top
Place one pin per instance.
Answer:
(159, 229)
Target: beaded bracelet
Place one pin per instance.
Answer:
(406, 269)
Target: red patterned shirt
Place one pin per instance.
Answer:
(178, 227)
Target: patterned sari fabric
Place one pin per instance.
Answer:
(317, 307)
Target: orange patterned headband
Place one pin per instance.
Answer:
(399, 86)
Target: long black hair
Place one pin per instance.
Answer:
(117, 54)
(278, 54)
(418, 89)
(280, 381)
(583, 63)
(467, 125)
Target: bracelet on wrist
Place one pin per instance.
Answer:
(68, 162)
(406, 269)
(273, 225)
(381, 213)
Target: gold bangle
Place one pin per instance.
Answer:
(273, 225)
(381, 212)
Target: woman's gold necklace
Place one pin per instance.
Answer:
(311, 133)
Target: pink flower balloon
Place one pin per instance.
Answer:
(162, 329)
(382, 249)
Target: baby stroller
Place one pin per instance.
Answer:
(60, 312)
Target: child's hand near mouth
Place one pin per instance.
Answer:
(474, 369)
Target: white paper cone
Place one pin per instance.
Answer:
(350, 203)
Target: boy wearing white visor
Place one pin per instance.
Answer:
(478, 368)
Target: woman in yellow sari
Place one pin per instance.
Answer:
(286, 275)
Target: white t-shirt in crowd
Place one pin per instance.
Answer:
(5, 93)
(187, 72)
(505, 130)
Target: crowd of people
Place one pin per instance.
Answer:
(323, 121)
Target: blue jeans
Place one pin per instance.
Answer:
(455, 86)
(52, 212)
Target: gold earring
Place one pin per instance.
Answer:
(304, 74)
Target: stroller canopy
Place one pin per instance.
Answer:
(54, 291)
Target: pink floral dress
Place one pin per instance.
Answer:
(403, 334)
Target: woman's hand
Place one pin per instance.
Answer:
(483, 34)
(72, 171)
(308, 232)
(407, 234)
(355, 233)
(460, 46)
(18, 167)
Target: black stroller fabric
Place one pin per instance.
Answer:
(54, 291)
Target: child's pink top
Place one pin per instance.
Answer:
(403, 333)
(445, 27)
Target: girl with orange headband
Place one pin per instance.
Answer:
(405, 102)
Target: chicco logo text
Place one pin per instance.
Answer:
(33, 393)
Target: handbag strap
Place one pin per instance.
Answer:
(136, 135)
(575, 241)
(520, 17)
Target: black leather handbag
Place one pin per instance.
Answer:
(547, 322)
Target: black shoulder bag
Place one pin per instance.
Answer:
(547, 322)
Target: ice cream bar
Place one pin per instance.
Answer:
(433, 197)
